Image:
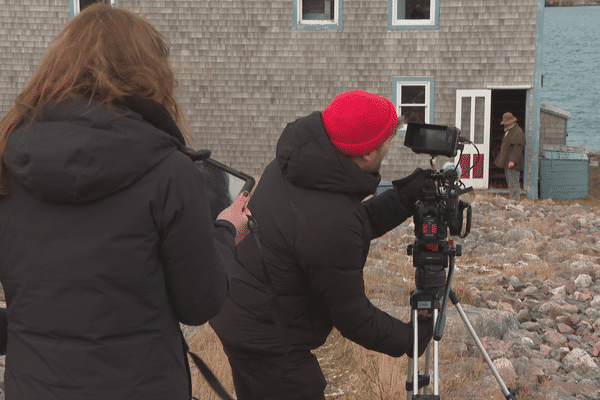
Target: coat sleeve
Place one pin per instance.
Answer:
(333, 261)
(385, 211)
(517, 148)
(197, 253)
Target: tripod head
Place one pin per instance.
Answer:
(439, 213)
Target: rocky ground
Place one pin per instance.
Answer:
(534, 300)
(529, 282)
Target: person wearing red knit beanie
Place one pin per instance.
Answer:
(361, 125)
(315, 231)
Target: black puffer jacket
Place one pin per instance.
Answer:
(106, 244)
(315, 233)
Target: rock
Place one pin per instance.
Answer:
(580, 361)
(485, 322)
(506, 370)
(583, 281)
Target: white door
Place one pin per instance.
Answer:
(473, 111)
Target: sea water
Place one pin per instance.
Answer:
(571, 70)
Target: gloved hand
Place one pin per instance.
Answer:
(410, 188)
(425, 323)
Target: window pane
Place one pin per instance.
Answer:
(414, 9)
(318, 9)
(86, 3)
(465, 118)
(413, 114)
(413, 95)
(479, 119)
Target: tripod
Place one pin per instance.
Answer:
(429, 299)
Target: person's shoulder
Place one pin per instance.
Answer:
(334, 209)
(178, 161)
(519, 129)
(175, 166)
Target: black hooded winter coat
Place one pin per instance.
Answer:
(315, 232)
(106, 244)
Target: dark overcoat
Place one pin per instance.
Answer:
(106, 244)
(512, 149)
(315, 232)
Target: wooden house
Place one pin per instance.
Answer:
(246, 68)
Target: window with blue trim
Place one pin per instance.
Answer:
(413, 14)
(413, 98)
(317, 14)
(79, 5)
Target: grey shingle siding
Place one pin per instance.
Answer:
(25, 32)
(552, 129)
(244, 72)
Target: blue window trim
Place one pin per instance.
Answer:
(338, 27)
(430, 79)
(72, 6)
(435, 26)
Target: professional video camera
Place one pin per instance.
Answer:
(439, 213)
(441, 210)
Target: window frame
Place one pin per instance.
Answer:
(314, 24)
(75, 9)
(428, 82)
(414, 24)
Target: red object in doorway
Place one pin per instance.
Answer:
(479, 163)
(465, 164)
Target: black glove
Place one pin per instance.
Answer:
(425, 334)
(410, 188)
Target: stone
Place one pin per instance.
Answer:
(579, 361)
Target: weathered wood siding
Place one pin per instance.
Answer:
(552, 129)
(26, 30)
(244, 72)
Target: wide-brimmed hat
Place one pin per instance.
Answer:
(359, 122)
(508, 119)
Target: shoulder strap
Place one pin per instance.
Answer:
(272, 382)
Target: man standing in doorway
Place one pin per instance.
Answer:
(512, 154)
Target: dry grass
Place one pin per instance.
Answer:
(207, 346)
(356, 373)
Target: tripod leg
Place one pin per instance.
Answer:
(412, 374)
(427, 366)
(415, 351)
(436, 361)
(409, 379)
(508, 394)
(413, 379)
(423, 380)
(416, 383)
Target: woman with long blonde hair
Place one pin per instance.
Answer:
(106, 239)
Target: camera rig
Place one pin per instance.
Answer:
(438, 213)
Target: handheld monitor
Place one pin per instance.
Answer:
(223, 184)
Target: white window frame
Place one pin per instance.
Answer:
(427, 104)
(318, 22)
(432, 21)
(76, 6)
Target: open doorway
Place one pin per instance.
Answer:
(504, 100)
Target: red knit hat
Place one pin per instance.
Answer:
(359, 122)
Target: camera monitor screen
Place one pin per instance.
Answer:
(432, 139)
(223, 184)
